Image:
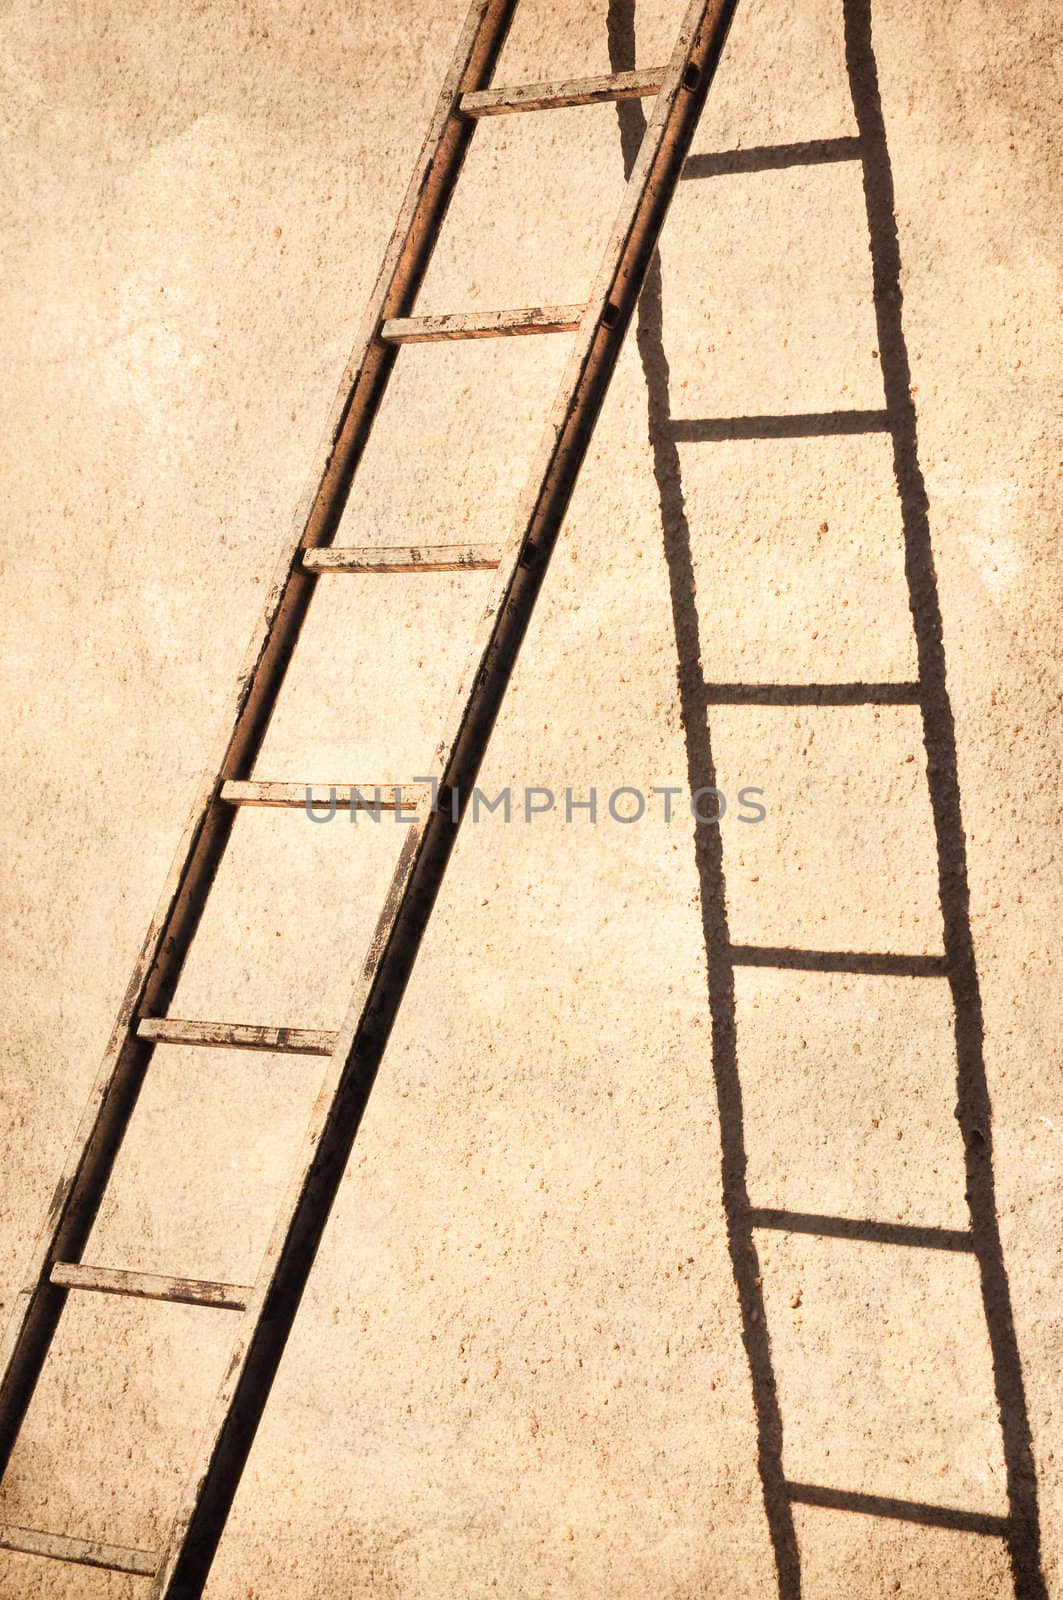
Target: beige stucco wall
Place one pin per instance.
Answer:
(519, 1366)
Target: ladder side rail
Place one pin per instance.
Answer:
(39, 1302)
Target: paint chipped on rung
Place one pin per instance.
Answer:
(85, 1552)
(404, 558)
(481, 324)
(150, 1286)
(237, 1036)
(561, 95)
(331, 796)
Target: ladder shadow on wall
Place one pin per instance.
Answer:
(1016, 1524)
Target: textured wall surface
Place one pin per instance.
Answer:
(531, 1359)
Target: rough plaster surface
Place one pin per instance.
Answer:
(519, 1367)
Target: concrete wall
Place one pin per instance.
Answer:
(520, 1364)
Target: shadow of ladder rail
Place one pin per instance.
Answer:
(1019, 1527)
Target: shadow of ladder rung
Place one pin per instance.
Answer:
(1019, 1528)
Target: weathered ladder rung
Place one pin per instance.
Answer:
(482, 324)
(150, 1286)
(404, 558)
(237, 1036)
(86, 1552)
(556, 96)
(344, 796)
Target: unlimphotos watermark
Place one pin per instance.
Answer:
(624, 804)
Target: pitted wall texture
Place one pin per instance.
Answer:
(519, 1367)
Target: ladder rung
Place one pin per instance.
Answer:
(569, 92)
(869, 963)
(482, 324)
(150, 1286)
(404, 558)
(812, 694)
(880, 1505)
(910, 1236)
(237, 1036)
(345, 796)
(87, 1552)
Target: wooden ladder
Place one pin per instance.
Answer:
(269, 1305)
